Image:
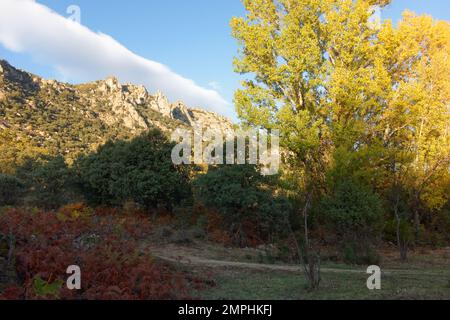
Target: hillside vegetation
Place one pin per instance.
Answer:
(363, 114)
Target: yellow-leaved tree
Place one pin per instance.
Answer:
(316, 74)
(352, 98)
(416, 122)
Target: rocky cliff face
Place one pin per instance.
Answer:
(86, 114)
(126, 101)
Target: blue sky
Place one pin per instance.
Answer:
(191, 37)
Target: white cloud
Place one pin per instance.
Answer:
(215, 85)
(79, 53)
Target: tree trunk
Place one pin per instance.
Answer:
(416, 217)
(305, 216)
(401, 243)
(310, 259)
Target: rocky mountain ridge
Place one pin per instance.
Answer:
(66, 116)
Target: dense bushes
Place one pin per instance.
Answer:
(140, 170)
(102, 243)
(243, 207)
(11, 189)
(352, 208)
(49, 181)
(15, 148)
(353, 212)
(245, 199)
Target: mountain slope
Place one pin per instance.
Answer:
(73, 119)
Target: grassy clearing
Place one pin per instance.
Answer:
(425, 276)
(264, 285)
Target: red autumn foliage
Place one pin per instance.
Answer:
(214, 226)
(104, 244)
(12, 293)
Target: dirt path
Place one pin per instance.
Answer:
(184, 256)
(196, 261)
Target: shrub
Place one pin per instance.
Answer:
(49, 181)
(140, 170)
(360, 254)
(354, 213)
(352, 208)
(112, 265)
(436, 229)
(405, 228)
(246, 202)
(11, 190)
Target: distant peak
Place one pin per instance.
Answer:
(112, 82)
(4, 65)
(16, 75)
(4, 62)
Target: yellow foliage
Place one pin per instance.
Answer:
(15, 149)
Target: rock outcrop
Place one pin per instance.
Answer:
(85, 115)
(123, 100)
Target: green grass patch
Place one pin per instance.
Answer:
(268, 285)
